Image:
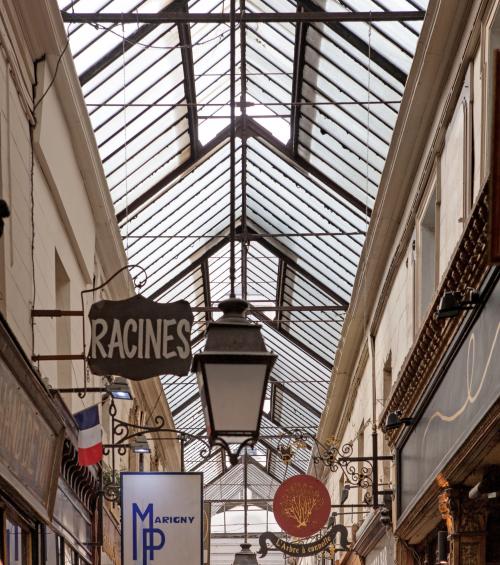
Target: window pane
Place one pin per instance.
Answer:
(15, 544)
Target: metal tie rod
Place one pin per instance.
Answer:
(248, 17)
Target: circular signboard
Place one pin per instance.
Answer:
(301, 506)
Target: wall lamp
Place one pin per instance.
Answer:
(395, 421)
(118, 389)
(454, 302)
(140, 444)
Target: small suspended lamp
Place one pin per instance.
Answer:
(233, 372)
(245, 556)
(140, 444)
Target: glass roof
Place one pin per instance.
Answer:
(316, 105)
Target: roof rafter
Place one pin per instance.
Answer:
(182, 170)
(359, 44)
(298, 74)
(130, 41)
(272, 324)
(278, 454)
(313, 15)
(189, 84)
(303, 166)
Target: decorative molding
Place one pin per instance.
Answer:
(370, 533)
(466, 270)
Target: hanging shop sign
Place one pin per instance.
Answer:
(298, 549)
(138, 338)
(301, 506)
(162, 518)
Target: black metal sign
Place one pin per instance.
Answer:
(138, 338)
(305, 549)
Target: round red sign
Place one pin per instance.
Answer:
(301, 506)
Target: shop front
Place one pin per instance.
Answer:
(449, 463)
(47, 502)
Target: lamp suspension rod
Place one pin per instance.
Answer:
(232, 274)
(245, 485)
(243, 106)
(254, 17)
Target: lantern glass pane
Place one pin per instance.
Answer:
(235, 392)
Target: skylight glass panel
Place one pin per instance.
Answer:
(191, 226)
(310, 180)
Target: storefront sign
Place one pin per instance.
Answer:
(162, 518)
(305, 549)
(31, 431)
(301, 506)
(469, 387)
(138, 338)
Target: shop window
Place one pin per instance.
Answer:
(387, 388)
(63, 326)
(16, 543)
(52, 555)
(427, 254)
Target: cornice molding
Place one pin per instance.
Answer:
(370, 533)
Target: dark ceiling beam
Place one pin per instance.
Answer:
(272, 324)
(252, 127)
(280, 289)
(294, 396)
(360, 45)
(304, 272)
(298, 74)
(189, 85)
(205, 277)
(185, 404)
(250, 17)
(288, 431)
(131, 41)
(179, 172)
(194, 265)
(255, 463)
(303, 166)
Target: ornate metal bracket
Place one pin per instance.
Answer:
(360, 472)
(121, 434)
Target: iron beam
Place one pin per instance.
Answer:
(335, 308)
(298, 75)
(303, 166)
(189, 85)
(177, 174)
(249, 17)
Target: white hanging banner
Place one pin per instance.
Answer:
(162, 518)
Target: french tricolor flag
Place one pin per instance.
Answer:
(89, 436)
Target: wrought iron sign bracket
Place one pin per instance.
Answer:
(341, 459)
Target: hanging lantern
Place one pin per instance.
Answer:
(233, 372)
